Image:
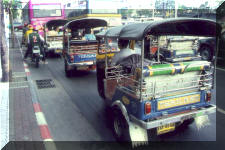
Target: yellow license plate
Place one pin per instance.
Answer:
(82, 68)
(58, 51)
(166, 128)
(178, 101)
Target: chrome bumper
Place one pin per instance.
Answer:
(82, 64)
(173, 119)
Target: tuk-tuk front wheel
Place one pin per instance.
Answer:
(67, 71)
(120, 126)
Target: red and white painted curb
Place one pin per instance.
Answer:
(27, 71)
(45, 133)
(40, 117)
(42, 123)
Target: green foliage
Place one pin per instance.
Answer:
(144, 12)
(126, 12)
(14, 5)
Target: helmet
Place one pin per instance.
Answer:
(25, 24)
(30, 27)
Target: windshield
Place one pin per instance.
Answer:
(46, 11)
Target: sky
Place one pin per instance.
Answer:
(142, 3)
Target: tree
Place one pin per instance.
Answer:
(14, 5)
(144, 12)
(126, 12)
(3, 46)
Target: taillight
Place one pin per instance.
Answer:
(153, 50)
(71, 58)
(147, 108)
(208, 96)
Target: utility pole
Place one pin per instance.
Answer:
(176, 8)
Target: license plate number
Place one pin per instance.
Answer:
(36, 51)
(166, 128)
(178, 101)
(58, 51)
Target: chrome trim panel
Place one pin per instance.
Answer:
(173, 119)
(81, 64)
(122, 108)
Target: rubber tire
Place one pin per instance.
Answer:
(186, 123)
(67, 72)
(124, 136)
(100, 79)
(206, 52)
(37, 59)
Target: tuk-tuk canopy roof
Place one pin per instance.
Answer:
(85, 23)
(112, 32)
(180, 26)
(56, 23)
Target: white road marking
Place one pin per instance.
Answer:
(48, 140)
(221, 110)
(27, 70)
(40, 118)
(220, 69)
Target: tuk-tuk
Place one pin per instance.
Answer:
(53, 35)
(160, 82)
(79, 53)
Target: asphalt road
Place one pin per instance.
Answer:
(75, 112)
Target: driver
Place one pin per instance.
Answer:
(128, 58)
(89, 35)
(34, 39)
(25, 28)
(124, 51)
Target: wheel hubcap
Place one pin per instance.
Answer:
(205, 53)
(117, 126)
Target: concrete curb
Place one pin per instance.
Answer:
(4, 114)
(40, 117)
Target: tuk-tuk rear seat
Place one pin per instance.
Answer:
(80, 45)
(55, 38)
(113, 83)
(83, 42)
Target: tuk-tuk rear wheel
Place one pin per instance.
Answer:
(37, 62)
(188, 122)
(100, 77)
(67, 71)
(120, 126)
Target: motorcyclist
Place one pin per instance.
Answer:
(25, 28)
(34, 39)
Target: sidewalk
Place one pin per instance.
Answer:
(4, 108)
(22, 121)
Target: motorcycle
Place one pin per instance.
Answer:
(36, 55)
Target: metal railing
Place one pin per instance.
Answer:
(156, 88)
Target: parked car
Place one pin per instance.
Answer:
(207, 47)
(18, 26)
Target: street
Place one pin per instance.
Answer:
(75, 112)
(152, 61)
